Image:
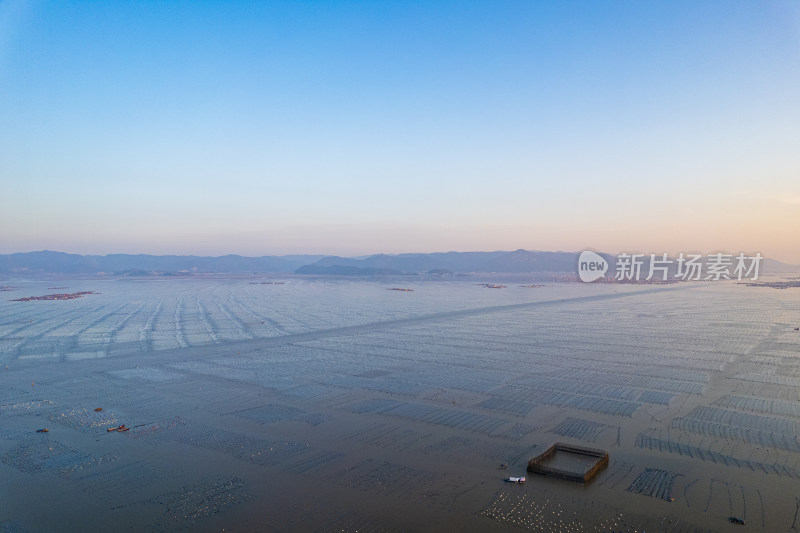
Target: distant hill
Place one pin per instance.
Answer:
(62, 263)
(414, 263)
(346, 270)
(771, 266)
(520, 261)
(516, 262)
(525, 261)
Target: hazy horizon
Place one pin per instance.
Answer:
(366, 255)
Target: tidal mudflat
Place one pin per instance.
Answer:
(330, 405)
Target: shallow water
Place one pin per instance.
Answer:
(342, 406)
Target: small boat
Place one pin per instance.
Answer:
(734, 520)
(98, 409)
(518, 480)
(118, 428)
(43, 430)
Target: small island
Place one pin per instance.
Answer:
(71, 296)
(774, 284)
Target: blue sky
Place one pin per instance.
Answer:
(362, 127)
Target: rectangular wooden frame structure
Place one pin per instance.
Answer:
(537, 464)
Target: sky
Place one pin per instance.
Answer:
(356, 127)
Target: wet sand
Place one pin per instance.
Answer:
(346, 407)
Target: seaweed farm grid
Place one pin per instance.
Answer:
(309, 405)
(125, 316)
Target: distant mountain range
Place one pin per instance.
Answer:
(519, 261)
(125, 264)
